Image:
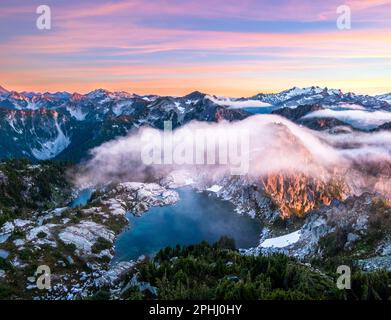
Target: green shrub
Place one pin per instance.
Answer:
(26, 254)
(41, 235)
(100, 295)
(379, 219)
(5, 291)
(100, 245)
(4, 264)
(70, 247)
(217, 272)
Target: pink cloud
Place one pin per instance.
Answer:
(287, 10)
(85, 49)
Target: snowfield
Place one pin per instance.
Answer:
(239, 103)
(215, 188)
(50, 149)
(283, 241)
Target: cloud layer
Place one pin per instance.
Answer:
(357, 118)
(276, 145)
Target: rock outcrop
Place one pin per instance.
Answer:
(81, 240)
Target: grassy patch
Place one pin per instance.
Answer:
(100, 245)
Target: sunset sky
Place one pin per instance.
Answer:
(173, 47)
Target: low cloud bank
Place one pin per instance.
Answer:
(273, 145)
(357, 118)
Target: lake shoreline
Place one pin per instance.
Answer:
(197, 216)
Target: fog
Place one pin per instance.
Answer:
(260, 145)
(357, 118)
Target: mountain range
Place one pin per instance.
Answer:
(318, 184)
(61, 125)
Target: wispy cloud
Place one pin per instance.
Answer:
(284, 148)
(293, 43)
(357, 118)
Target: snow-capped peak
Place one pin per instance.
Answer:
(124, 95)
(238, 103)
(385, 97)
(99, 93)
(314, 90)
(58, 95)
(295, 91)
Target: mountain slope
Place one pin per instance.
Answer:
(65, 126)
(61, 125)
(326, 97)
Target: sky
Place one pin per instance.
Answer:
(172, 47)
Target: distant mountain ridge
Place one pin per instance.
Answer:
(288, 98)
(64, 125)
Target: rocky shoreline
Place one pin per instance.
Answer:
(77, 243)
(354, 227)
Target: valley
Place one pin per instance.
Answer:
(74, 197)
(196, 217)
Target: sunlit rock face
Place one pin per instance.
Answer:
(297, 194)
(66, 126)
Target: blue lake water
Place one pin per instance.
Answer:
(82, 199)
(260, 110)
(4, 254)
(196, 217)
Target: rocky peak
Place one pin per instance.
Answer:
(99, 93)
(297, 113)
(76, 97)
(196, 95)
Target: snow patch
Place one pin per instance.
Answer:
(85, 234)
(238, 104)
(283, 241)
(11, 122)
(385, 97)
(77, 114)
(118, 108)
(303, 91)
(189, 181)
(215, 188)
(50, 149)
(189, 102)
